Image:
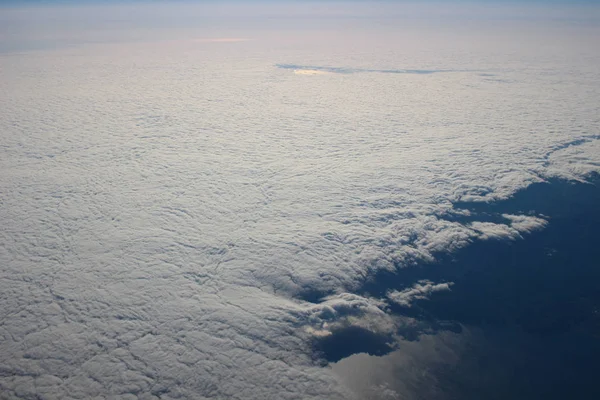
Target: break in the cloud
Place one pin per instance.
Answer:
(410, 372)
(181, 219)
(314, 69)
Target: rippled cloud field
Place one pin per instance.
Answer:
(193, 198)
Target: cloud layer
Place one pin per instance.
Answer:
(181, 219)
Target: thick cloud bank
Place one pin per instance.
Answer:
(181, 218)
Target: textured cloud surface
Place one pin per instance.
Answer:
(181, 218)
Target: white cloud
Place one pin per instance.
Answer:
(420, 291)
(526, 223)
(489, 230)
(519, 224)
(348, 309)
(575, 161)
(165, 202)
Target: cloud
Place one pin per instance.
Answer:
(574, 160)
(526, 223)
(347, 309)
(420, 291)
(490, 230)
(186, 221)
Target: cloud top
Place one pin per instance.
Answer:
(187, 221)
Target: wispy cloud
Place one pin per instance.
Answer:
(420, 291)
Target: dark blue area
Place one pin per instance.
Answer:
(504, 282)
(543, 290)
(353, 339)
(546, 284)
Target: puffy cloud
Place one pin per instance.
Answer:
(420, 291)
(574, 160)
(526, 223)
(519, 224)
(182, 219)
(489, 230)
(348, 309)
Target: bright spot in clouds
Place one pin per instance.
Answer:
(219, 40)
(310, 72)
